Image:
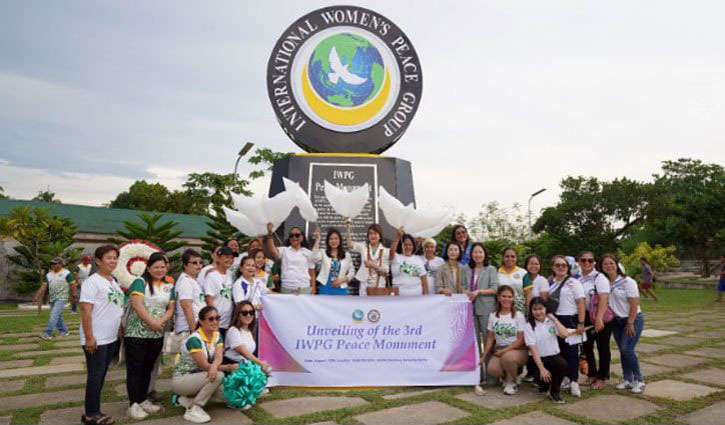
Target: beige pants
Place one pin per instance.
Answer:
(198, 386)
(507, 366)
(306, 290)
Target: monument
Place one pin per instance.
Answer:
(345, 83)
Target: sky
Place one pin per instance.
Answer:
(516, 95)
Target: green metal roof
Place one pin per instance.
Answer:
(109, 220)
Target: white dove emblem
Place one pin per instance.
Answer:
(340, 71)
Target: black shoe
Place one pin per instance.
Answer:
(557, 398)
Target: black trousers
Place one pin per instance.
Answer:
(97, 366)
(557, 367)
(569, 352)
(605, 354)
(141, 355)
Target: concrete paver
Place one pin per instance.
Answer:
(427, 413)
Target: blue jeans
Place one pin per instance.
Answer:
(56, 317)
(626, 344)
(97, 366)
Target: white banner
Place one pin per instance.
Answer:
(327, 341)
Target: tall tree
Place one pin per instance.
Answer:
(41, 237)
(593, 214)
(46, 196)
(687, 207)
(148, 228)
(2, 193)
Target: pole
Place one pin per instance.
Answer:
(531, 232)
(247, 147)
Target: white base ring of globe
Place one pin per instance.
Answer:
(303, 57)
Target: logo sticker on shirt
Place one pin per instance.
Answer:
(552, 330)
(115, 298)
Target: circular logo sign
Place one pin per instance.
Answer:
(374, 316)
(344, 79)
(358, 315)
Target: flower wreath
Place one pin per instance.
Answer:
(132, 260)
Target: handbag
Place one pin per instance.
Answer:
(594, 309)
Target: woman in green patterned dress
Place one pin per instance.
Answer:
(152, 303)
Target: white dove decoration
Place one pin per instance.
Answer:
(347, 204)
(307, 211)
(419, 223)
(340, 71)
(243, 223)
(261, 211)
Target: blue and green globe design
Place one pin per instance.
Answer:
(346, 70)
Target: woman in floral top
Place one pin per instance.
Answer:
(152, 304)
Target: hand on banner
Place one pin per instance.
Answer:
(447, 292)
(472, 295)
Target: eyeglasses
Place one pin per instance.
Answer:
(586, 260)
(212, 319)
(196, 263)
(246, 313)
(560, 265)
(295, 235)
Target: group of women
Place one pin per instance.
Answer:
(522, 318)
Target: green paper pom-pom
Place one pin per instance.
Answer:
(244, 385)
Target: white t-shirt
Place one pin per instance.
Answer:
(187, 288)
(431, 266)
(107, 300)
(255, 290)
(540, 284)
(571, 292)
(594, 280)
(83, 273)
(515, 280)
(621, 289)
(295, 267)
(219, 286)
(236, 337)
(407, 271)
(543, 337)
(379, 256)
(505, 327)
(203, 272)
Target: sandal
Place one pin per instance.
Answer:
(99, 419)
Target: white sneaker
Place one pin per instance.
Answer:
(196, 414)
(565, 383)
(135, 411)
(575, 391)
(479, 391)
(638, 387)
(510, 389)
(149, 407)
(624, 385)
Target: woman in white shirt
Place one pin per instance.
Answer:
(298, 269)
(374, 256)
(408, 270)
(505, 341)
(568, 293)
(336, 267)
(596, 284)
(218, 288)
(628, 322)
(240, 344)
(510, 274)
(431, 262)
(248, 287)
(538, 283)
(540, 335)
(101, 303)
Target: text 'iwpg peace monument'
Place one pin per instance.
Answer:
(344, 82)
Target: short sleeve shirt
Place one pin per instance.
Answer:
(570, 292)
(195, 343)
(83, 273)
(515, 280)
(505, 327)
(543, 337)
(622, 289)
(187, 288)
(107, 300)
(219, 286)
(539, 285)
(295, 267)
(236, 337)
(407, 270)
(431, 267)
(592, 283)
(155, 303)
(253, 292)
(58, 284)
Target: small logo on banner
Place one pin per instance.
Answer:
(358, 315)
(374, 316)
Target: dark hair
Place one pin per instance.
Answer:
(645, 261)
(501, 289)
(444, 254)
(237, 321)
(536, 301)
(228, 241)
(303, 244)
(568, 266)
(453, 235)
(508, 248)
(153, 258)
(340, 249)
(581, 254)
(105, 249)
(614, 258)
(377, 229)
(471, 263)
(205, 312)
(188, 255)
(215, 250)
(529, 258)
(405, 236)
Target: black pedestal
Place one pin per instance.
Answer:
(348, 170)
